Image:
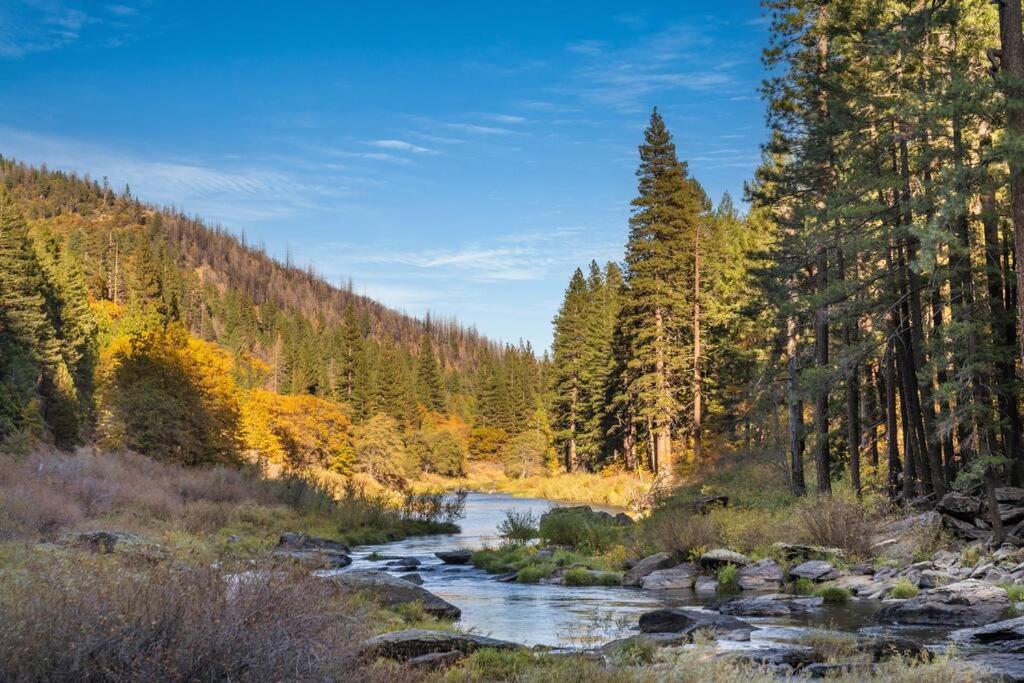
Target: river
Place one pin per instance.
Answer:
(564, 616)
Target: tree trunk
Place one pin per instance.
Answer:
(662, 435)
(891, 428)
(822, 455)
(696, 349)
(796, 410)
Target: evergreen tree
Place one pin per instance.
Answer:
(429, 382)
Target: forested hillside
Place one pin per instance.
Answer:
(141, 327)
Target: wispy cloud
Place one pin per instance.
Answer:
(28, 26)
(505, 118)
(402, 146)
(122, 10)
(478, 129)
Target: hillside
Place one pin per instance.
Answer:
(121, 320)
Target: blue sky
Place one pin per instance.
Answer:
(461, 158)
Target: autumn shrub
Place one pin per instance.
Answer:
(578, 529)
(836, 523)
(440, 452)
(728, 579)
(380, 451)
(525, 454)
(485, 442)
(518, 526)
(903, 590)
(680, 533)
(87, 619)
(297, 430)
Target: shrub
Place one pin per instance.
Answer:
(833, 595)
(634, 651)
(534, 573)
(1014, 593)
(681, 534)
(518, 526)
(579, 576)
(525, 454)
(485, 442)
(804, 586)
(96, 620)
(903, 589)
(836, 523)
(728, 579)
(579, 529)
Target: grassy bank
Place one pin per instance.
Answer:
(612, 487)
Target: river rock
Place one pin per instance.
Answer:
(773, 605)
(815, 570)
(418, 642)
(313, 550)
(412, 578)
(680, 577)
(391, 591)
(688, 620)
(455, 556)
(705, 585)
(901, 540)
(960, 506)
(719, 557)
(760, 576)
(778, 660)
(997, 666)
(1008, 635)
(1010, 494)
(799, 551)
(965, 603)
(644, 567)
(404, 563)
(933, 578)
(436, 660)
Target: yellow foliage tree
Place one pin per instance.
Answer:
(297, 431)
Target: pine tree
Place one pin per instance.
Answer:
(569, 364)
(429, 382)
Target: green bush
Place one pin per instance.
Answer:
(833, 595)
(579, 529)
(728, 579)
(903, 590)
(1014, 593)
(804, 586)
(534, 573)
(579, 576)
(518, 526)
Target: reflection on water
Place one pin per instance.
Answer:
(576, 616)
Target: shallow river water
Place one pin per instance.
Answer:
(564, 616)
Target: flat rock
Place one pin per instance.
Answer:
(313, 550)
(719, 557)
(792, 658)
(799, 551)
(391, 591)
(965, 603)
(934, 578)
(418, 642)
(996, 666)
(455, 556)
(774, 605)
(1007, 631)
(815, 570)
(1010, 494)
(960, 506)
(680, 577)
(678, 620)
(436, 660)
(763, 575)
(706, 585)
(412, 578)
(299, 541)
(646, 566)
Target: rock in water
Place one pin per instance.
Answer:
(646, 566)
(965, 603)
(418, 642)
(680, 577)
(997, 666)
(815, 570)
(391, 591)
(455, 556)
(679, 620)
(1007, 634)
(763, 575)
(776, 605)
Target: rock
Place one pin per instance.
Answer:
(763, 575)
(901, 540)
(313, 550)
(815, 570)
(965, 529)
(679, 577)
(391, 591)
(774, 605)
(644, 567)
(855, 582)
(300, 541)
(507, 577)
(965, 603)
(1008, 634)
(995, 666)
(774, 658)
(959, 506)
(945, 558)
(933, 578)
(889, 646)
(622, 519)
(418, 642)
(706, 585)
(455, 556)
(680, 620)
(436, 660)
(1010, 495)
(656, 639)
(404, 563)
(719, 557)
(412, 578)
(704, 505)
(103, 542)
(799, 551)
(1011, 514)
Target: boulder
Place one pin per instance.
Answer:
(1007, 634)
(815, 570)
(902, 539)
(933, 578)
(965, 603)
(680, 620)
(997, 666)
(404, 563)
(412, 578)
(680, 577)
(622, 519)
(313, 550)
(959, 506)
(719, 557)
(391, 591)
(800, 551)
(773, 605)
(763, 575)
(644, 567)
(1010, 495)
(455, 556)
(775, 659)
(436, 660)
(417, 642)
(705, 585)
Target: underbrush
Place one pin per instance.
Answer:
(74, 617)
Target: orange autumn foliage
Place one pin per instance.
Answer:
(297, 431)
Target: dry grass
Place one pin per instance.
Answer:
(82, 618)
